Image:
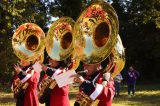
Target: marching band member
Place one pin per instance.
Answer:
(96, 85)
(26, 74)
(58, 96)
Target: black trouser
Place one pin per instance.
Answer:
(131, 86)
(45, 98)
(20, 98)
(76, 104)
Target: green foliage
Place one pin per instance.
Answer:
(16, 12)
(13, 14)
(139, 28)
(144, 12)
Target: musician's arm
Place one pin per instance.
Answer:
(23, 76)
(50, 71)
(90, 89)
(93, 89)
(107, 94)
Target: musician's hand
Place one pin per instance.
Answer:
(16, 82)
(17, 68)
(78, 97)
(44, 67)
(77, 78)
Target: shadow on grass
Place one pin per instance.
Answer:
(154, 87)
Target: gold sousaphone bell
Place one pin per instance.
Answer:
(59, 39)
(28, 42)
(96, 32)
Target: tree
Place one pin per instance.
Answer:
(17, 12)
(139, 28)
(13, 14)
(140, 23)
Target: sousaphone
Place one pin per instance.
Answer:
(59, 46)
(28, 44)
(118, 57)
(96, 35)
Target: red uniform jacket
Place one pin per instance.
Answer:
(95, 90)
(31, 97)
(107, 94)
(58, 96)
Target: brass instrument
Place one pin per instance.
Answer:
(59, 39)
(96, 32)
(117, 61)
(96, 40)
(18, 86)
(59, 47)
(28, 44)
(84, 100)
(118, 57)
(46, 83)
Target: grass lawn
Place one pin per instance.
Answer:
(146, 95)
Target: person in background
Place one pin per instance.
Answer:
(117, 83)
(132, 76)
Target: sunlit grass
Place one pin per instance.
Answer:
(6, 99)
(146, 95)
(142, 98)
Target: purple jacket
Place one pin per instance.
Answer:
(132, 75)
